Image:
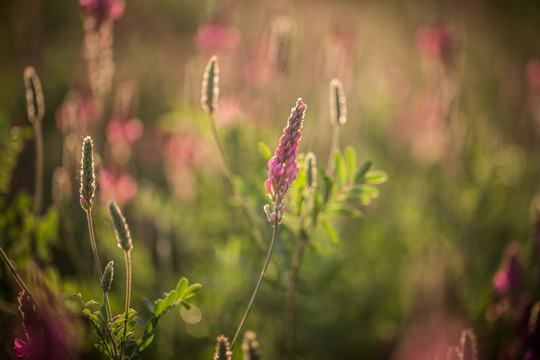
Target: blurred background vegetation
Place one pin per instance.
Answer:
(443, 96)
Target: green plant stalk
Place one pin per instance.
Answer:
(38, 191)
(23, 286)
(96, 259)
(258, 286)
(253, 228)
(291, 308)
(333, 147)
(128, 298)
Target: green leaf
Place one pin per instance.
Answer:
(328, 188)
(375, 177)
(145, 340)
(148, 304)
(140, 322)
(330, 231)
(170, 299)
(350, 156)
(102, 348)
(340, 172)
(345, 210)
(191, 290)
(181, 286)
(265, 150)
(160, 307)
(186, 305)
(361, 171)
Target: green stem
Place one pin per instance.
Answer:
(96, 259)
(38, 192)
(128, 298)
(257, 287)
(23, 286)
(228, 173)
(295, 272)
(333, 147)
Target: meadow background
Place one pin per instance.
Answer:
(443, 96)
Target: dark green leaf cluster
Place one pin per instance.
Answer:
(345, 191)
(11, 145)
(110, 332)
(179, 295)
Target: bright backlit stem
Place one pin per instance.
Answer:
(96, 259)
(127, 257)
(258, 286)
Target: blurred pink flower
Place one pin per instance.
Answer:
(183, 149)
(509, 277)
(115, 185)
(436, 42)
(533, 73)
(45, 330)
(103, 9)
(78, 111)
(124, 130)
(216, 37)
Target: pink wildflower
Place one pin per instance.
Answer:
(114, 184)
(283, 166)
(437, 42)
(124, 130)
(533, 73)
(216, 38)
(103, 9)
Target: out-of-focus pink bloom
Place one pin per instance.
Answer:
(183, 149)
(124, 130)
(216, 38)
(509, 277)
(115, 185)
(45, 332)
(423, 128)
(532, 73)
(103, 9)
(230, 111)
(78, 111)
(283, 167)
(437, 42)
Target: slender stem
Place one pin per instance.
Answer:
(333, 147)
(23, 286)
(96, 259)
(128, 297)
(249, 217)
(38, 192)
(295, 272)
(257, 287)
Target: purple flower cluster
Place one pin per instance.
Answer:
(283, 167)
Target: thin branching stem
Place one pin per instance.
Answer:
(128, 298)
(257, 287)
(293, 283)
(23, 287)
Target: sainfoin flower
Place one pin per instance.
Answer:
(283, 167)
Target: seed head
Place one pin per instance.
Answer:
(121, 230)
(283, 167)
(210, 86)
(250, 346)
(35, 105)
(338, 104)
(88, 176)
(223, 349)
(107, 277)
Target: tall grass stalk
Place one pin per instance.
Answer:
(35, 108)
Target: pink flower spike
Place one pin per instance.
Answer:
(283, 167)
